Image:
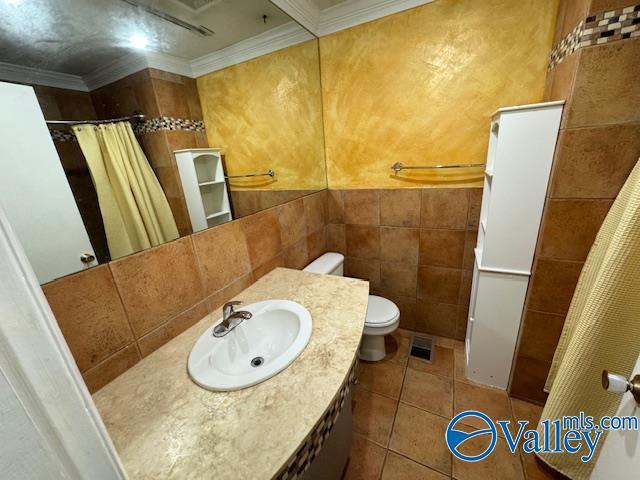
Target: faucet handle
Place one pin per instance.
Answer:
(227, 308)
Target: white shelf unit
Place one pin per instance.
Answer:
(521, 146)
(204, 187)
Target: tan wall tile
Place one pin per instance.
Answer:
(296, 256)
(563, 78)
(336, 239)
(606, 86)
(438, 284)
(222, 255)
(398, 278)
(594, 162)
(172, 99)
(442, 248)
(262, 232)
(315, 208)
(608, 5)
(156, 149)
(335, 206)
(569, 228)
(364, 269)
(470, 242)
(574, 12)
(552, 285)
(436, 318)
(90, 314)
(118, 363)
(475, 203)
(465, 288)
(399, 245)
(180, 140)
(529, 381)
(462, 320)
(400, 207)
(444, 208)
(157, 284)
(363, 241)
(293, 227)
(174, 327)
(316, 244)
(540, 335)
(262, 270)
(362, 207)
(215, 301)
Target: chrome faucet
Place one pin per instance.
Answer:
(230, 319)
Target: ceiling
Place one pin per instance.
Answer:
(79, 36)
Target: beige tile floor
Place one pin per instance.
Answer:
(401, 408)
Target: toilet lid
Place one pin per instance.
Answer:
(381, 311)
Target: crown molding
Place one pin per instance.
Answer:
(305, 12)
(339, 17)
(28, 75)
(169, 63)
(354, 12)
(120, 68)
(275, 39)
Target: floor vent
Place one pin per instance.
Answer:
(422, 348)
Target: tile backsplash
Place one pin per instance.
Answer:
(415, 246)
(115, 314)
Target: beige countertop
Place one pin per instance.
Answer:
(164, 426)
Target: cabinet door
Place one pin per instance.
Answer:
(499, 299)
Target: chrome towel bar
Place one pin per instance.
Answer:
(398, 167)
(269, 173)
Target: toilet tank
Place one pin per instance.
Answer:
(330, 263)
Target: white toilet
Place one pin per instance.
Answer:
(383, 316)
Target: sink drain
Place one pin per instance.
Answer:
(257, 361)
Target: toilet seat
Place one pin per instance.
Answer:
(381, 313)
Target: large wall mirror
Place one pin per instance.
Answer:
(167, 117)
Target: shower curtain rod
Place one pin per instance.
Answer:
(95, 122)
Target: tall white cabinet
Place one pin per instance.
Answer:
(204, 187)
(521, 145)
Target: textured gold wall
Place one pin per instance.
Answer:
(267, 113)
(419, 87)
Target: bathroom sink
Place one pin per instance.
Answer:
(255, 350)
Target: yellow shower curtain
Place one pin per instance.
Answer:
(602, 327)
(134, 208)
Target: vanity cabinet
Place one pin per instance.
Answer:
(521, 146)
(204, 186)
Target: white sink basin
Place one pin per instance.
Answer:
(255, 350)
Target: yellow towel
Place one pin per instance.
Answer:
(602, 327)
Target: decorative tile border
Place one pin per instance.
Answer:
(310, 448)
(148, 126)
(63, 135)
(168, 123)
(604, 27)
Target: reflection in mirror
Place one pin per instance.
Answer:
(160, 127)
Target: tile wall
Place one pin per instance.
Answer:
(115, 314)
(599, 144)
(158, 95)
(63, 104)
(415, 246)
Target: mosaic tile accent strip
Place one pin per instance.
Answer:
(567, 46)
(609, 26)
(309, 450)
(63, 136)
(598, 29)
(168, 123)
